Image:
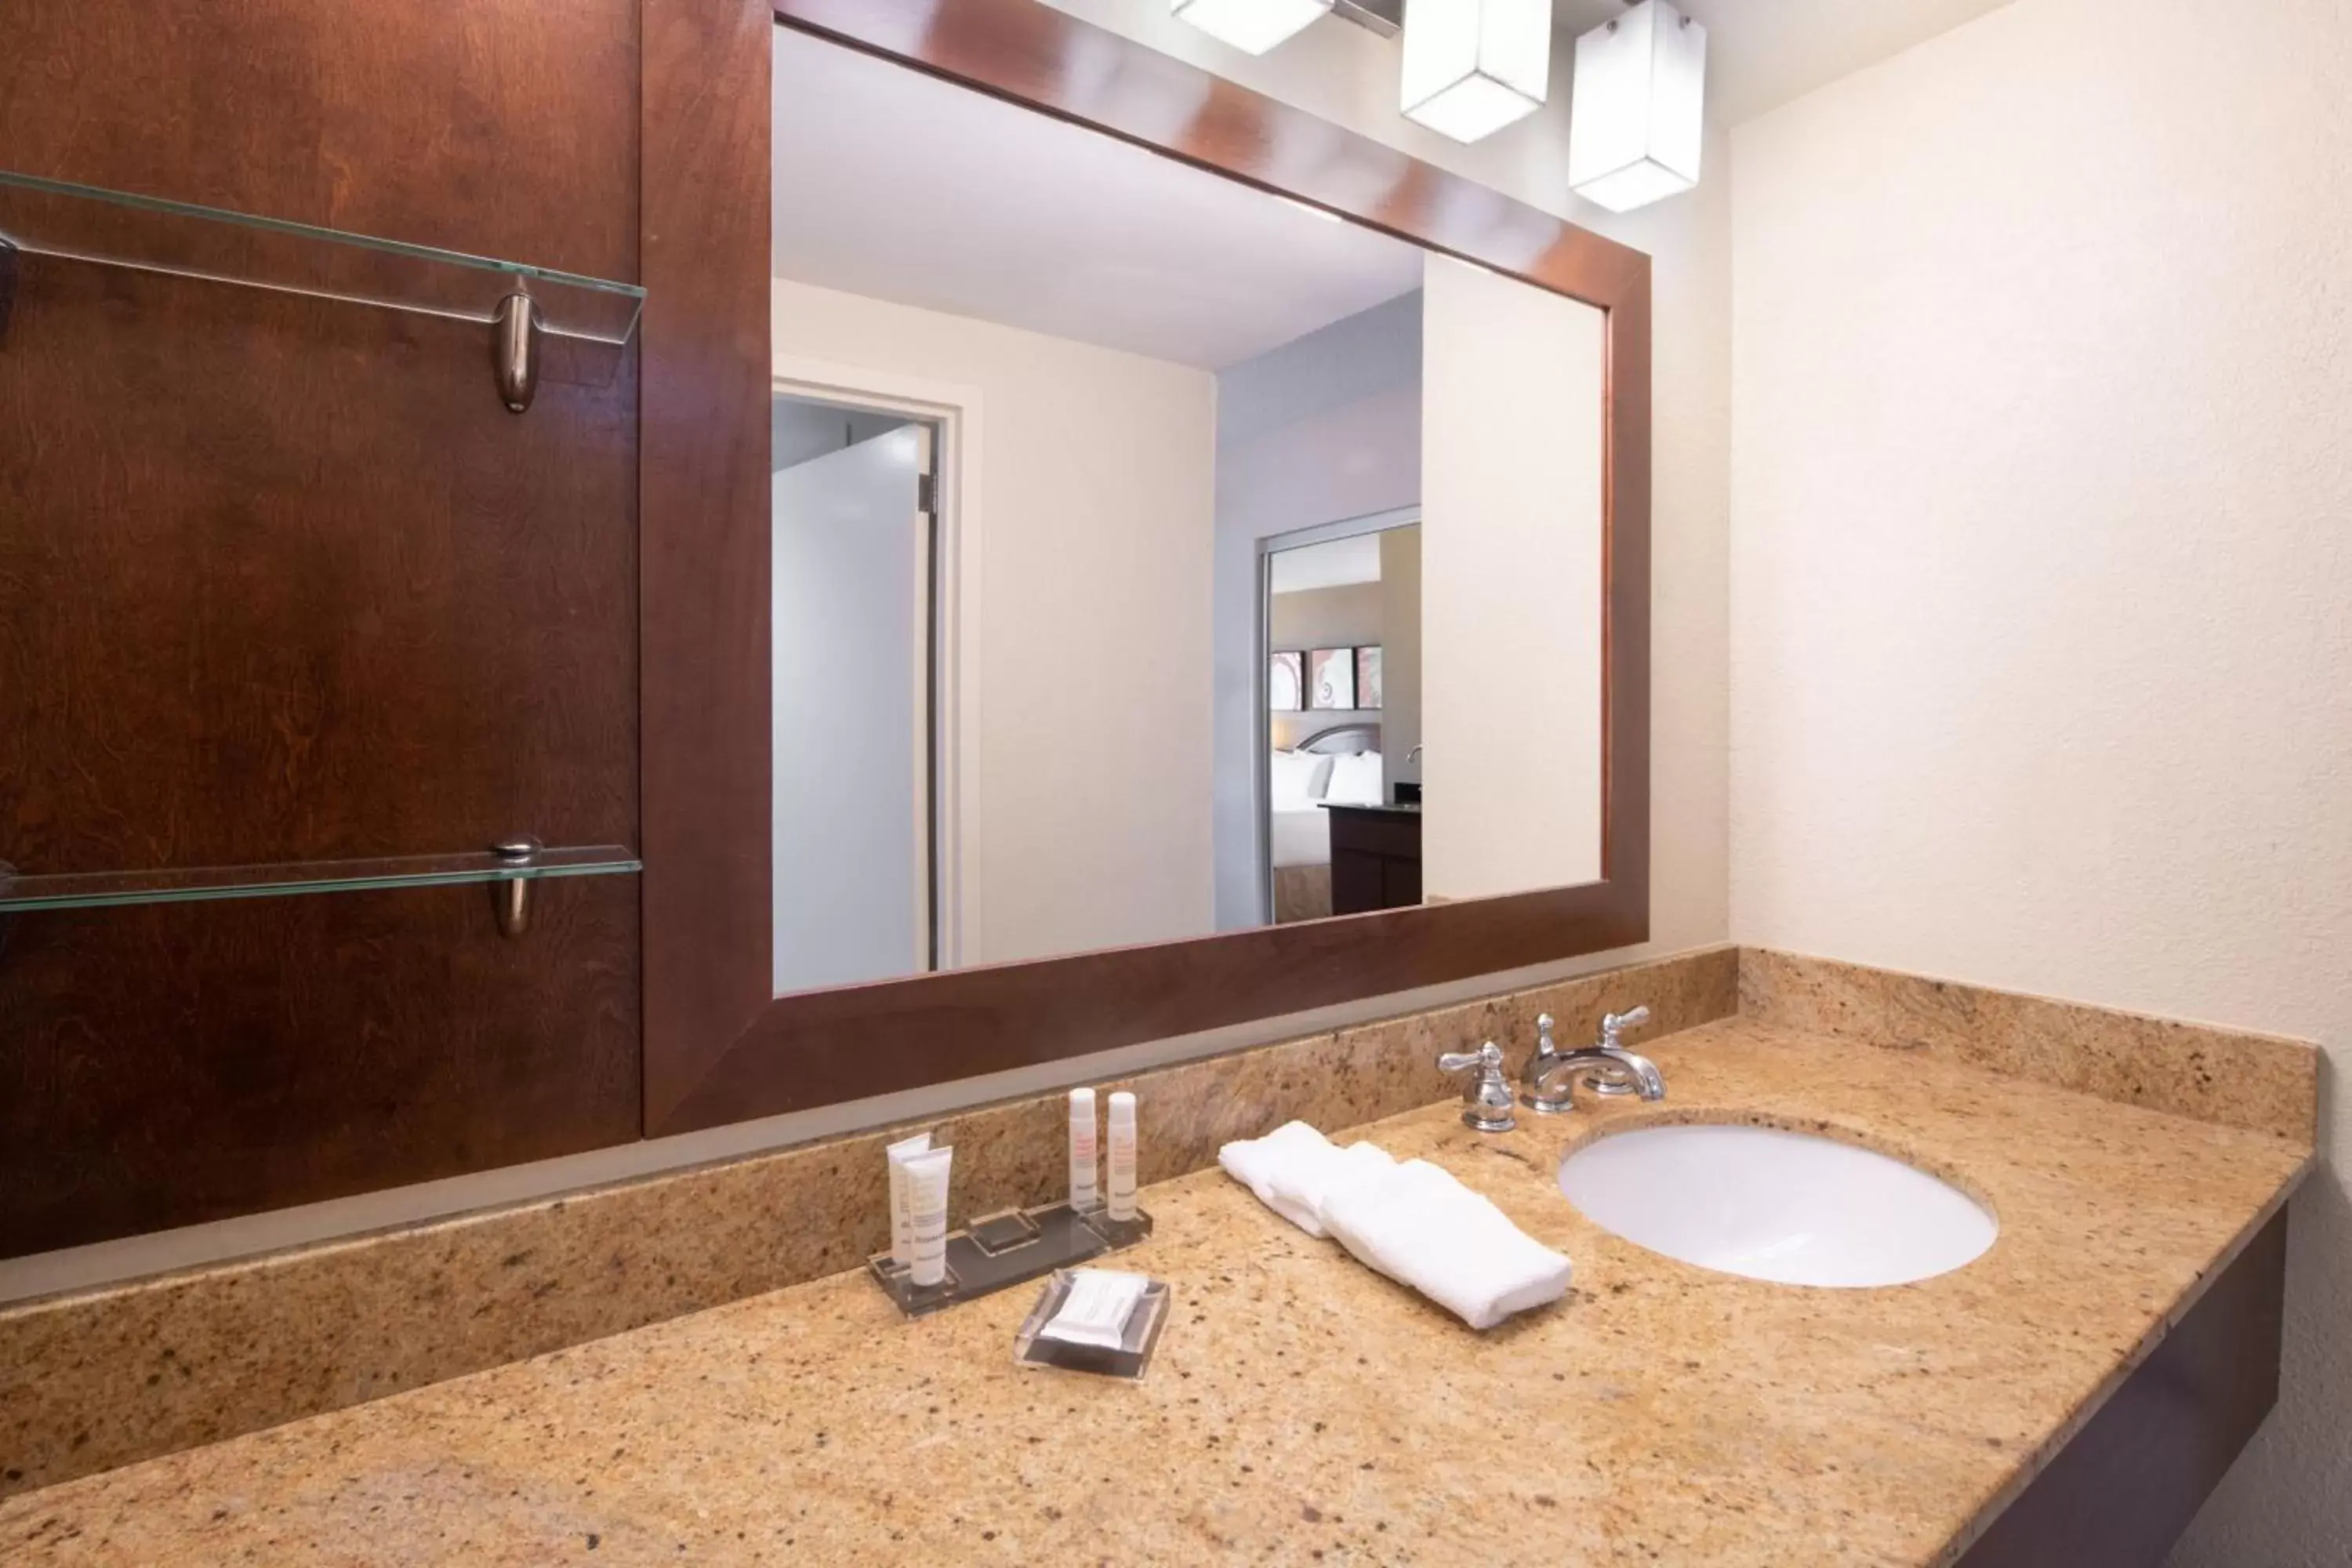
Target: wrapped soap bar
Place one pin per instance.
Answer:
(1095, 1308)
(1101, 1321)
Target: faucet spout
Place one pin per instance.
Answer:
(1640, 1069)
(1606, 1067)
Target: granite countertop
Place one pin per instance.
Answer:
(1302, 1408)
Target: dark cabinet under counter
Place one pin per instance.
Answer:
(1375, 857)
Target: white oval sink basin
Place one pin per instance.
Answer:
(1776, 1206)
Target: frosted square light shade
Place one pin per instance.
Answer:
(1472, 67)
(1639, 116)
(1252, 27)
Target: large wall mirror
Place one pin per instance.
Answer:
(1044, 399)
(1186, 601)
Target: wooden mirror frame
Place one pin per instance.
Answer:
(719, 1048)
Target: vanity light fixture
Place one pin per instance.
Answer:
(1472, 67)
(1252, 27)
(1639, 116)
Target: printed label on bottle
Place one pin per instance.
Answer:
(1082, 1165)
(902, 1220)
(1122, 1178)
(930, 1228)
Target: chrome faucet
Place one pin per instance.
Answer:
(1485, 1099)
(1608, 1067)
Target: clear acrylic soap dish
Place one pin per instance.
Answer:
(1011, 1249)
(1139, 1336)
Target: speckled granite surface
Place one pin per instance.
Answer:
(1303, 1408)
(110, 1376)
(2229, 1076)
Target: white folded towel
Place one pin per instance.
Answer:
(1418, 1225)
(1293, 1168)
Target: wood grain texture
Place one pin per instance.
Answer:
(280, 579)
(176, 1063)
(2123, 1490)
(717, 1049)
(500, 126)
(704, 500)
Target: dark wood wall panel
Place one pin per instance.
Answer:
(280, 579)
(185, 1062)
(705, 503)
(503, 127)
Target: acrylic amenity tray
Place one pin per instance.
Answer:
(1001, 1250)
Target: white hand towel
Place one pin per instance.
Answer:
(1350, 1167)
(1418, 1225)
(1293, 1168)
(1255, 1163)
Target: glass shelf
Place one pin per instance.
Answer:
(99, 889)
(116, 228)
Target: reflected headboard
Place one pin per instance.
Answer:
(1342, 740)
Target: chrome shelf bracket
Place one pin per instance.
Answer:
(514, 351)
(8, 266)
(511, 898)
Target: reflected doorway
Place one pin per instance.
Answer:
(1340, 730)
(854, 750)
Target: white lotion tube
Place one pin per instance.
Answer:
(1082, 1148)
(1122, 1156)
(902, 1214)
(927, 1198)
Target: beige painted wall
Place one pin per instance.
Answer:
(1083, 778)
(1346, 615)
(1512, 447)
(2041, 552)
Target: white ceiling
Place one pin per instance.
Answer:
(893, 184)
(1760, 54)
(1335, 563)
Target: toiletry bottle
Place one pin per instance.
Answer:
(902, 1213)
(1083, 1196)
(1122, 1156)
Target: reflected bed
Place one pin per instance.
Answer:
(1298, 830)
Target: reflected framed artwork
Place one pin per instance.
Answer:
(1331, 679)
(1286, 681)
(1368, 678)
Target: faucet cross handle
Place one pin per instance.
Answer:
(1486, 1098)
(1614, 1024)
(1618, 1077)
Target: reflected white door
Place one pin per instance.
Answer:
(851, 752)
